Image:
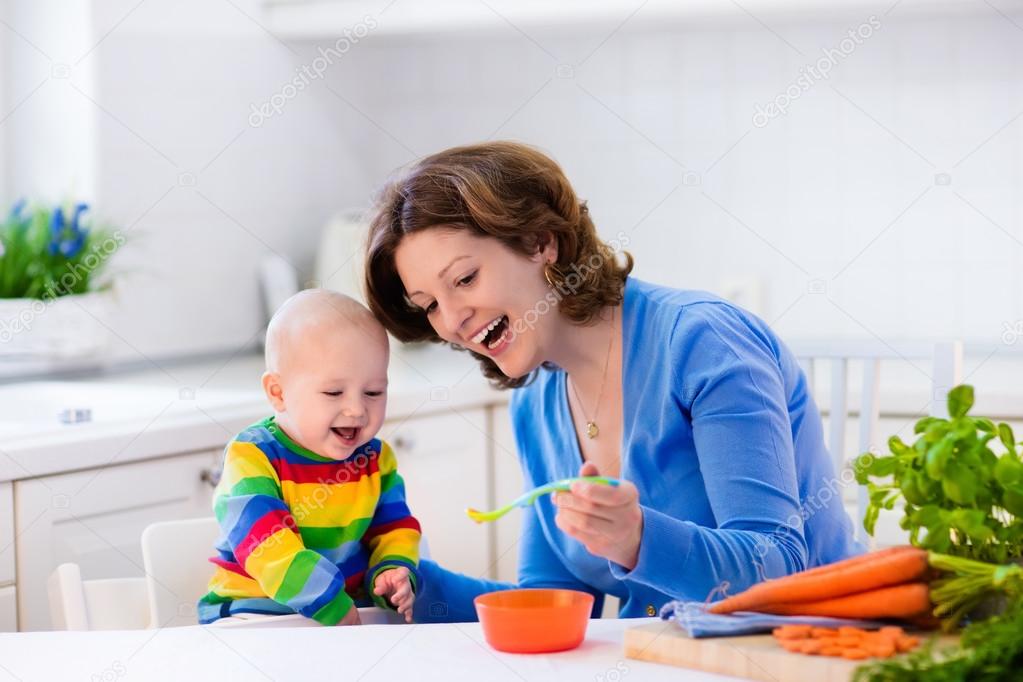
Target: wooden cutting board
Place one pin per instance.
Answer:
(755, 657)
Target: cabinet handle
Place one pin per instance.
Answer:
(403, 443)
(210, 476)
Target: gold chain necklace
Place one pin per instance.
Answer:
(592, 430)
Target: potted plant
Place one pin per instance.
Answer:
(52, 292)
(959, 496)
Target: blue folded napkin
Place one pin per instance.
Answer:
(692, 617)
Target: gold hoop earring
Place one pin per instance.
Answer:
(550, 278)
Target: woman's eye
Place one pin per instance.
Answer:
(430, 308)
(467, 279)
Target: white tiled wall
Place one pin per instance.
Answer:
(652, 122)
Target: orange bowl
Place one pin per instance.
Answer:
(533, 621)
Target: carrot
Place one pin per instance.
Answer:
(891, 631)
(859, 574)
(791, 632)
(899, 601)
(847, 642)
(904, 644)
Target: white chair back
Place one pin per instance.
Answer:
(945, 361)
(175, 557)
(107, 604)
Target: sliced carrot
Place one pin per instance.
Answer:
(904, 644)
(891, 631)
(859, 574)
(883, 649)
(905, 600)
(848, 642)
(791, 632)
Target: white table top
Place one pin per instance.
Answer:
(369, 652)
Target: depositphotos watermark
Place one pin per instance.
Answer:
(811, 74)
(314, 70)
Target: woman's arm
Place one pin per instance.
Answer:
(447, 597)
(727, 381)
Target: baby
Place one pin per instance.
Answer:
(310, 504)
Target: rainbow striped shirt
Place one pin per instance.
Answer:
(302, 533)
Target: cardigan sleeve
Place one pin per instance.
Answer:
(447, 597)
(727, 381)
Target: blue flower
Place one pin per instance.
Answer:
(66, 239)
(18, 207)
(79, 210)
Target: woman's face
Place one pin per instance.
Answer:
(480, 294)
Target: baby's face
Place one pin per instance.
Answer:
(334, 392)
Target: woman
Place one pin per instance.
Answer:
(693, 402)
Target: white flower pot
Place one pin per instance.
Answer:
(63, 328)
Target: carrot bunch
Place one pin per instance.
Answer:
(847, 642)
(889, 583)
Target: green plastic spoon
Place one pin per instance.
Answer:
(530, 497)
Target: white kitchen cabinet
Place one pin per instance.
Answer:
(95, 518)
(507, 486)
(8, 609)
(443, 460)
(6, 533)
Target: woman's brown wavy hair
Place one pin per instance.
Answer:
(505, 190)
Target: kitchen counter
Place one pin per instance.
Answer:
(369, 652)
(190, 407)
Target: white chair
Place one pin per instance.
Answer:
(109, 604)
(175, 560)
(944, 359)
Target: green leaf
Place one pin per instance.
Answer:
(960, 400)
(937, 431)
(911, 489)
(1007, 438)
(937, 459)
(959, 483)
(897, 447)
(984, 424)
(927, 515)
(1008, 471)
(870, 519)
(1012, 500)
(922, 424)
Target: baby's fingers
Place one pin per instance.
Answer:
(402, 593)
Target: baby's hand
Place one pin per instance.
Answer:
(395, 586)
(352, 617)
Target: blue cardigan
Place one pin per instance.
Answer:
(724, 443)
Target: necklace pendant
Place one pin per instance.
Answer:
(591, 429)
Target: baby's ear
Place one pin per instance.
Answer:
(273, 390)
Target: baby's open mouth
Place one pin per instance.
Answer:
(346, 433)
